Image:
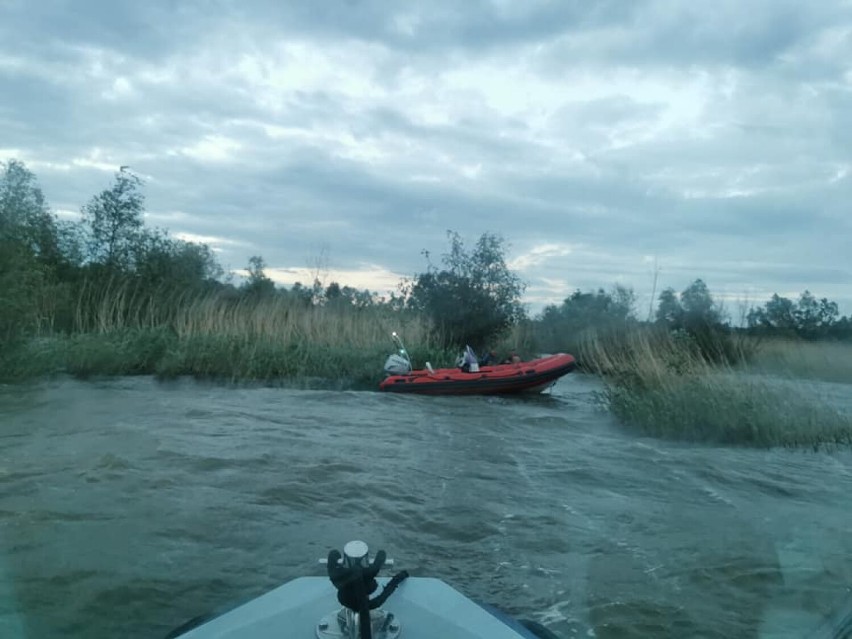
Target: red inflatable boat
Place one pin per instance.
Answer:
(524, 377)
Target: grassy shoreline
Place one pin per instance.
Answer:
(660, 384)
(656, 383)
(165, 355)
(219, 337)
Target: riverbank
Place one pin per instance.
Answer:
(165, 355)
(828, 361)
(656, 383)
(271, 339)
(162, 353)
(663, 385)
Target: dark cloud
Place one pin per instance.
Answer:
(46, 29)
(443, 25)
(595, 138)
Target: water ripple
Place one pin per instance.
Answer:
(153, 503)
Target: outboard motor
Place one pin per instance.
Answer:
(398, 363)
(354, 576)
(468, 362)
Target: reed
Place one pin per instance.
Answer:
(121, 327)
(662, 385)
(283, 320)
(829, 361)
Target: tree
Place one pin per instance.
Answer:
(699, 309)
(22, 203)
(114, 221)
(778, 313)
(474, 298)
(814, 317)
(304, 295)
(21, 282)
(24, 215)
(693, 310)
(593, 309)
(564, 327)
(160, 260)
(257, 283)
(809, 318)
(669, 310)
(347, 296)
(30, 252)
(695, 313)
(842, 328)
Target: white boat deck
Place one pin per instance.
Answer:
(423, 607)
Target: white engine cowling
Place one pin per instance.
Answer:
(397, 365)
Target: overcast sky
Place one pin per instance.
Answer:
(598, 138)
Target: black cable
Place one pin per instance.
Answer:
(387, 591)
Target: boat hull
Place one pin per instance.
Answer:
(524, 377)
(424, 607)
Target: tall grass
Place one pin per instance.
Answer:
(829, 361)
(121, 304)
(663, 385)
(123, 327)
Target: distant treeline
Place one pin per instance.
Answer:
(693, 311)
(58, 276)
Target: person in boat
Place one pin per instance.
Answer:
(489, 359)
(513, 358)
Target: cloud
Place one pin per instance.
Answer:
(372, 277)
(212, 148)
(592, 137)
(538, 255)
(212, 240)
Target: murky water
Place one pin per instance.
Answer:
(128, 506)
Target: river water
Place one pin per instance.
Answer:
(128, 506)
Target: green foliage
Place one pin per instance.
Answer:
(233, 358)
(28, 252)
(562, 328)
(662, 384)
(257, 284)
(110, 296)
(346, 296)
(699, 308)
(697, 314)
(474, 298)
(808, 318)
(30, 359)
(24, 216)
(125, 352)
(57, 276)
(730, 409)
(160, 260)
(21, 283)
(669, 311)
(829, 361)
(694, 310)
(305, 296)
(778, 313)
(114, 221)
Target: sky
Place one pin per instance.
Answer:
(643, 142)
